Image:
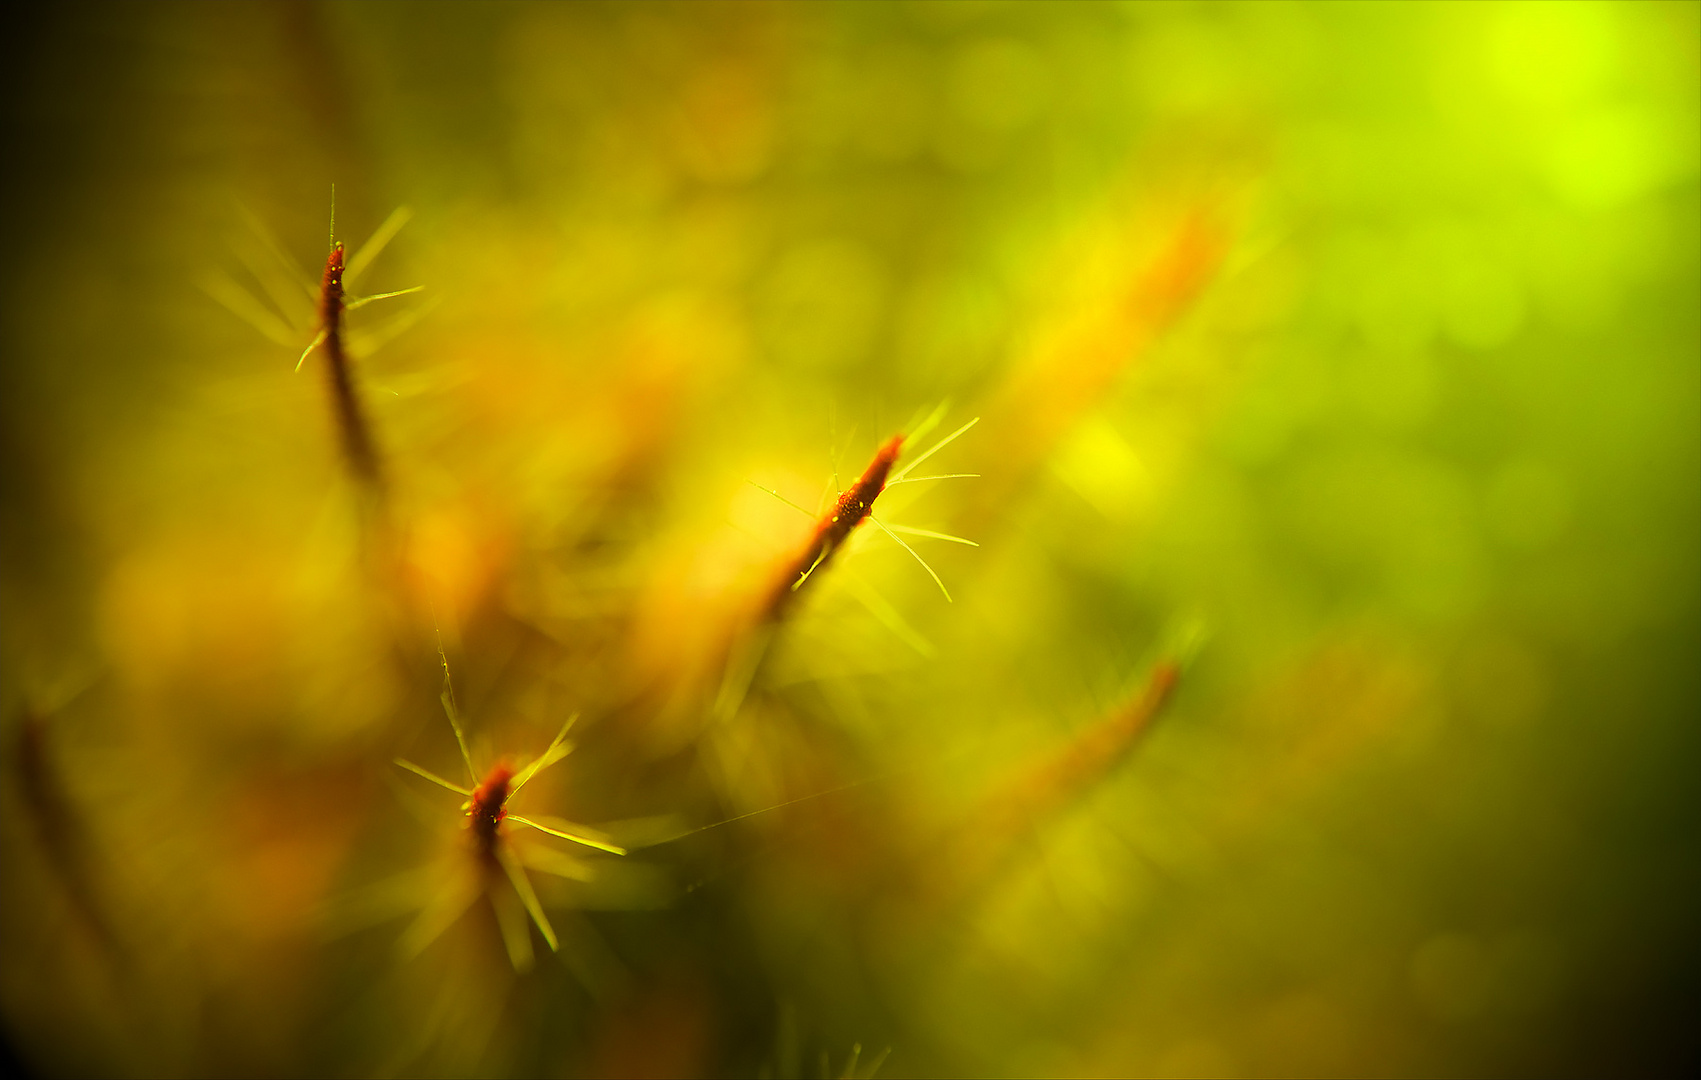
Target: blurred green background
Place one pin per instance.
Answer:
(1349, 353)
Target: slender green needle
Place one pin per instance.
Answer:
(374, 246)
(938, 446)
(838, 451)
(369, 340)
(550, 861)
(290, 268)
(888, 615)
(364, 300)
(754, 813)
(241, 303)
(932, 534)
(920, 430)
(516, 935)
(782, 498)
(556, 750)
(577, 838)
(740, 668)
(445, 907)
(523, 886)
(912, 552)
(318, 339)
(295, 298)
(798, 584)
(433, 777)
(941, 476)
(549, 757)
(454, 714)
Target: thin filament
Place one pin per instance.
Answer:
(782, 498)
(932, 421)
(798, 584)
(523, 886)
(433, 777)
(912, 552)
(350, 305)
(318, 340)
(941, 476)
(932, 534)
(448, 699)
(374, 246)
(600, 845)
(938, 446)
(555, 752)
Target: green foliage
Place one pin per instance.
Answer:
(1348, 354)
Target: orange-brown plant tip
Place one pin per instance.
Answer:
(331, 289)
(853, 505)
(858, 499)
(494, 790)
(488, 803)
(874, 479)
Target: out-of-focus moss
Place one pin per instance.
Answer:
(1351, 349)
